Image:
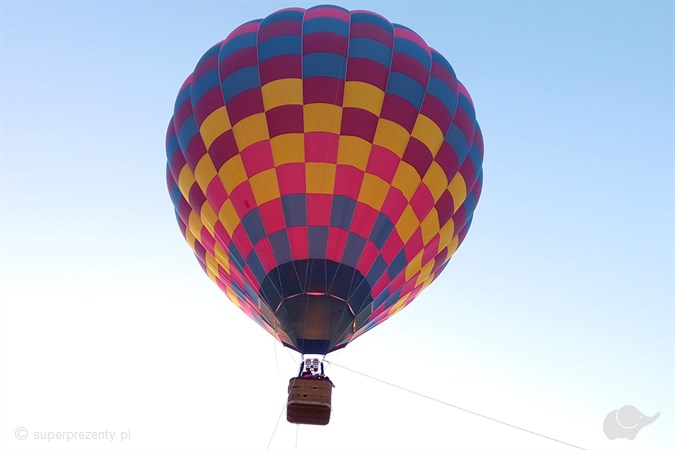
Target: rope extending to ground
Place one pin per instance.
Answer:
(483, 416)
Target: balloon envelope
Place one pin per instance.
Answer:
(324, 166)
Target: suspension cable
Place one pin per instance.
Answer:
(483, 416)
(276, 425)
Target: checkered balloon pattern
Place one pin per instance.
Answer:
(323, 157)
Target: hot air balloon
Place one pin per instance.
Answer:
(324, 166)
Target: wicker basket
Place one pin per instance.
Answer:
(309, 401)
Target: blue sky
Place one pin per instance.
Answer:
(558, 308)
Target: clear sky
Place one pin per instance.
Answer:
(557, 309)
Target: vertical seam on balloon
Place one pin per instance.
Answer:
(233, 260)
(180, 148)
(346, 307)
(192, 105)
(349, 26)
(453, 114)
(391, 60)
(282, 296)
(428, 49)
(421, 179)
(259, 226)
(222, 95)
(333, 339)
(257, 55)
(302, 77)
(307, 267)
(424, 96)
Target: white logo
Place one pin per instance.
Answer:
(625, 422)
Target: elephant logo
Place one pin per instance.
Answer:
(625, 422)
